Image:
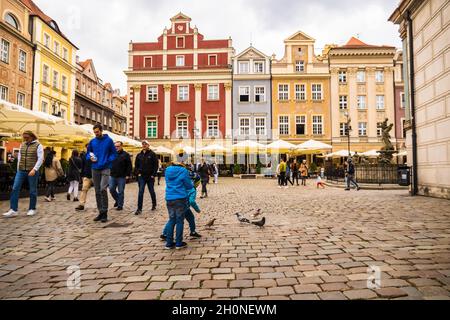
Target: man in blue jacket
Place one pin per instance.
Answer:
(102, 152)
(178, 183)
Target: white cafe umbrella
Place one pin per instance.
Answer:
(312, 145)
(163, 150)
(214, 148)
(281, 146)
(371, 154)
(340, 154)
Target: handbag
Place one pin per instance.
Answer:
(76, 167)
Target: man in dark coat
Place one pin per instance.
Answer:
(146, 169)
(120, 172)
(204, 171)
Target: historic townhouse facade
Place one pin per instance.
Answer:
(362, 91)
(179, 85)
(301, 93)
(399, 101)
(54, 66)
(425, 30)
(120, 118)
(93, 99)
(16, 53)
(252, 114)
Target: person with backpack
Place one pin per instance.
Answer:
(53, 170)
(74, 175)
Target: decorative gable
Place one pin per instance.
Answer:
(251, 53)
(300, 36)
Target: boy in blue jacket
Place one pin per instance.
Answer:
(190, 218)
(178, 183)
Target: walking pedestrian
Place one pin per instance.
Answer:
(215, 171)
(146, 168)
(87, 183)
(351, 175)
(160, 171)
(178, 183)
(295, 171)
(289, 174)
(102, 153)
(53, 171)
(29, 161)
(283, 174)
(74, 175)
(204, 172)
(304, 172)
(120, 173)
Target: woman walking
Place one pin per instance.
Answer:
(74, 175)
(304, 172)
(53, 171)
(205, 173)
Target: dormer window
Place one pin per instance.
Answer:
(259, 67)
(180, 61)
(212, 60)
(12, 21)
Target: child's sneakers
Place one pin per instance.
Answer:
(195, 235)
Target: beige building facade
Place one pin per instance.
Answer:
(362, 94)
(425, 31)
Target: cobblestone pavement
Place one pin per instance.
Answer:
(317, 244)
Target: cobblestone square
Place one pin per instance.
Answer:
(317, 244)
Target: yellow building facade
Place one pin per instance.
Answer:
(54, 67)
(301, 93)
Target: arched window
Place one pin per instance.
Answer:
(12, 21)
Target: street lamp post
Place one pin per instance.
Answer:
(348, 130)
(194, 133)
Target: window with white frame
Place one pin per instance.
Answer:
(183, 93)
(55, 79)
(64, 84)
(22, 61)
(362, 129)
(283, 92)
(213, 92)
(44, 106)
(260, 94)
(300, 92)
(4, 56)
(361, 76)
(342, 77)
(244, 67)
(65, 54)
(402, 100)
(148, 62)
(244, 126)
(300, 125)
(362, 102)
(56, 47)
(180, 61)
(343, 102)
(379, 76)
(4, 93)
(47, 40)
(180, 42)
(212, 59)
(244, 94)
(283, 123)
(380, 102)
(152, 93)
(403, 123)
(317, 92)
(213, 127)
(260, 126)
(20, 99)
(299, 66)
(182, 127)
(317, 125)
(343, 129)
(259, 67)
(379, 130)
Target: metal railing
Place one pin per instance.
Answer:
(370, 174)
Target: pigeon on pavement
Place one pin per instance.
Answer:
(242, 219)
(210, 224)
(260, 223)
(257, 213)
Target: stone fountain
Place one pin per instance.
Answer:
(388, 150)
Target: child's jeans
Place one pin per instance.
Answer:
(177, 210)
(190, 218)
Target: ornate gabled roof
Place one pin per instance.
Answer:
(300, 36)
(180, 17)
(252, 51)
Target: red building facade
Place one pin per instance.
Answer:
(179, 84)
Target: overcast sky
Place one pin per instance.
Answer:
(102, 29)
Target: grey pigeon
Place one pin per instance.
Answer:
(260, 223)
(242, 219)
